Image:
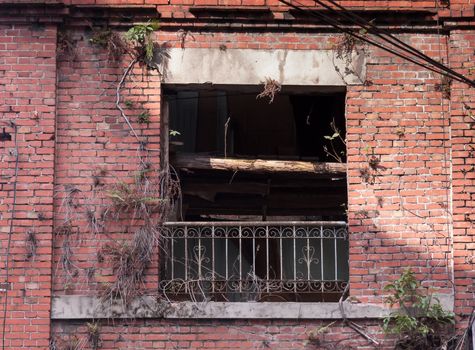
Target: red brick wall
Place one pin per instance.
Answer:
(399, 216)
(462, 46)
(399, 213)
(224, 335)
(96, 151)
(28, 98)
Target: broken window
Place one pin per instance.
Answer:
(263, 213)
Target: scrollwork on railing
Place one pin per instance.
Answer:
(252, 260)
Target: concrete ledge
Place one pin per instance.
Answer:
(85, 307)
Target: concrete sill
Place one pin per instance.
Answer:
(70, 307)
(84, 307)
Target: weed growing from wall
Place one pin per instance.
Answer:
(420, 323)
(94, 335)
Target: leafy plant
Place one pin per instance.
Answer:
(140, 37)
(133, 198)
(144, 117)
(174, 133)
(337, 144)
(94, 334)
(347, 44)
(420, 320)
(400, 132)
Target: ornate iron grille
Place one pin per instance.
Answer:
(259, 261)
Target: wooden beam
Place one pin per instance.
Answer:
(190, 161)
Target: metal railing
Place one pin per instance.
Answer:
(239, 261)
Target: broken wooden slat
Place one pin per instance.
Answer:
(190, 161)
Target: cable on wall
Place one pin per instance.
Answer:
(10, 233)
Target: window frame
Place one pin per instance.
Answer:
(165, 123)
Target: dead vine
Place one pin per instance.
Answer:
(345, 47)
(66, 46)
(445, 87)
(31, 244)
(129, 261)
(343, 50)
(144, 204)
(69, 205)
(270, 89)
(117, 102)
(151, 199)
(111, 41)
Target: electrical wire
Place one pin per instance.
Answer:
(10, 233)
(383, 34)
(338, 25)
(334, 23)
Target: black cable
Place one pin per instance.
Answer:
(385, 35)
(7, 253)
(338, 26)
(332, 22)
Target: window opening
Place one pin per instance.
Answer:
(263, 214)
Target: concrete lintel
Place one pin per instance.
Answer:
(252, 66)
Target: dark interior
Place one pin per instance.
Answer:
(233, 121)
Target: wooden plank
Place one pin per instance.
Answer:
(191, 161)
